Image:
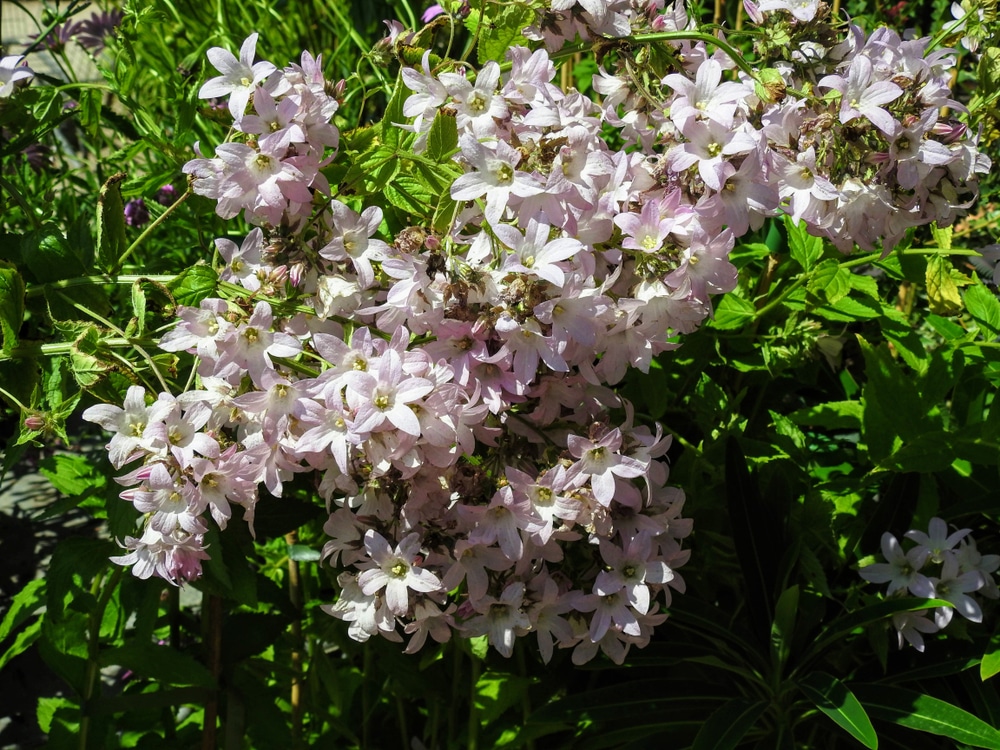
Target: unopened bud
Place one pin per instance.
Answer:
(34, 422)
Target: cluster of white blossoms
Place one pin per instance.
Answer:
(940, 565)
(448, 390)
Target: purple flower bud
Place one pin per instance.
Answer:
(136, 213)
(166, 195)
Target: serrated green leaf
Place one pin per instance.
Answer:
(499, 30)
(46, 711)
(71, 474)
(802, 246)
(11, 305)
(89, 110)
(725, 728)
(391, 132)
(50, 257)
(942, 236)
(924, 713)
(745, 254)
(865, 284)
(830, 281)
(835, 415)
(942, 291)
(835, 700)
(24, 604)
(111, 238)
(442, 138)
(851, 309)
(77, 303)
(984, 307)
(194, 285)
(732, 312)
(988, 76)
(139, 307)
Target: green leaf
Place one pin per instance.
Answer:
(194, 285)
(804, 248)
(725, 728)
(139, 307)
(925, 713)
(756, 535)
(11, 305)
(25, 603)
(783, 626)
(495, 692)
(46, 711)
(89, 110)
(442, 138)
(834, 699)
(942, 291)
(732, 312)
(71, 474)
(391, 133)
(946, 328)
(850, 309)
(830, 281)
(50, 257)
(942, 236)
(990, 665)
(498, 32)
(22, 641)
(835, 415)
(892, 403)
(984, 307)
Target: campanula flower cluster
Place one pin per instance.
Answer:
(940, 565)
(448, 389)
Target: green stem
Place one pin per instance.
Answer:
(149, 230)
(947, 30)
(25, 351)
(37, 290)
(668, 36)
(13, 399)
(761, 312)
(111, 326)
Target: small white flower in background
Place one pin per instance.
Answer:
(11, 73)
(963, 572)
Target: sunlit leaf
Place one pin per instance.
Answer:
(835, 700)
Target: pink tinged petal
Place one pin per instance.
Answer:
(600, 623)
(397, 597)
(604, 487)
(608, 582)
(373, 580)
(404, 419)
(377, 547)
(422, 580)
(638, 597)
